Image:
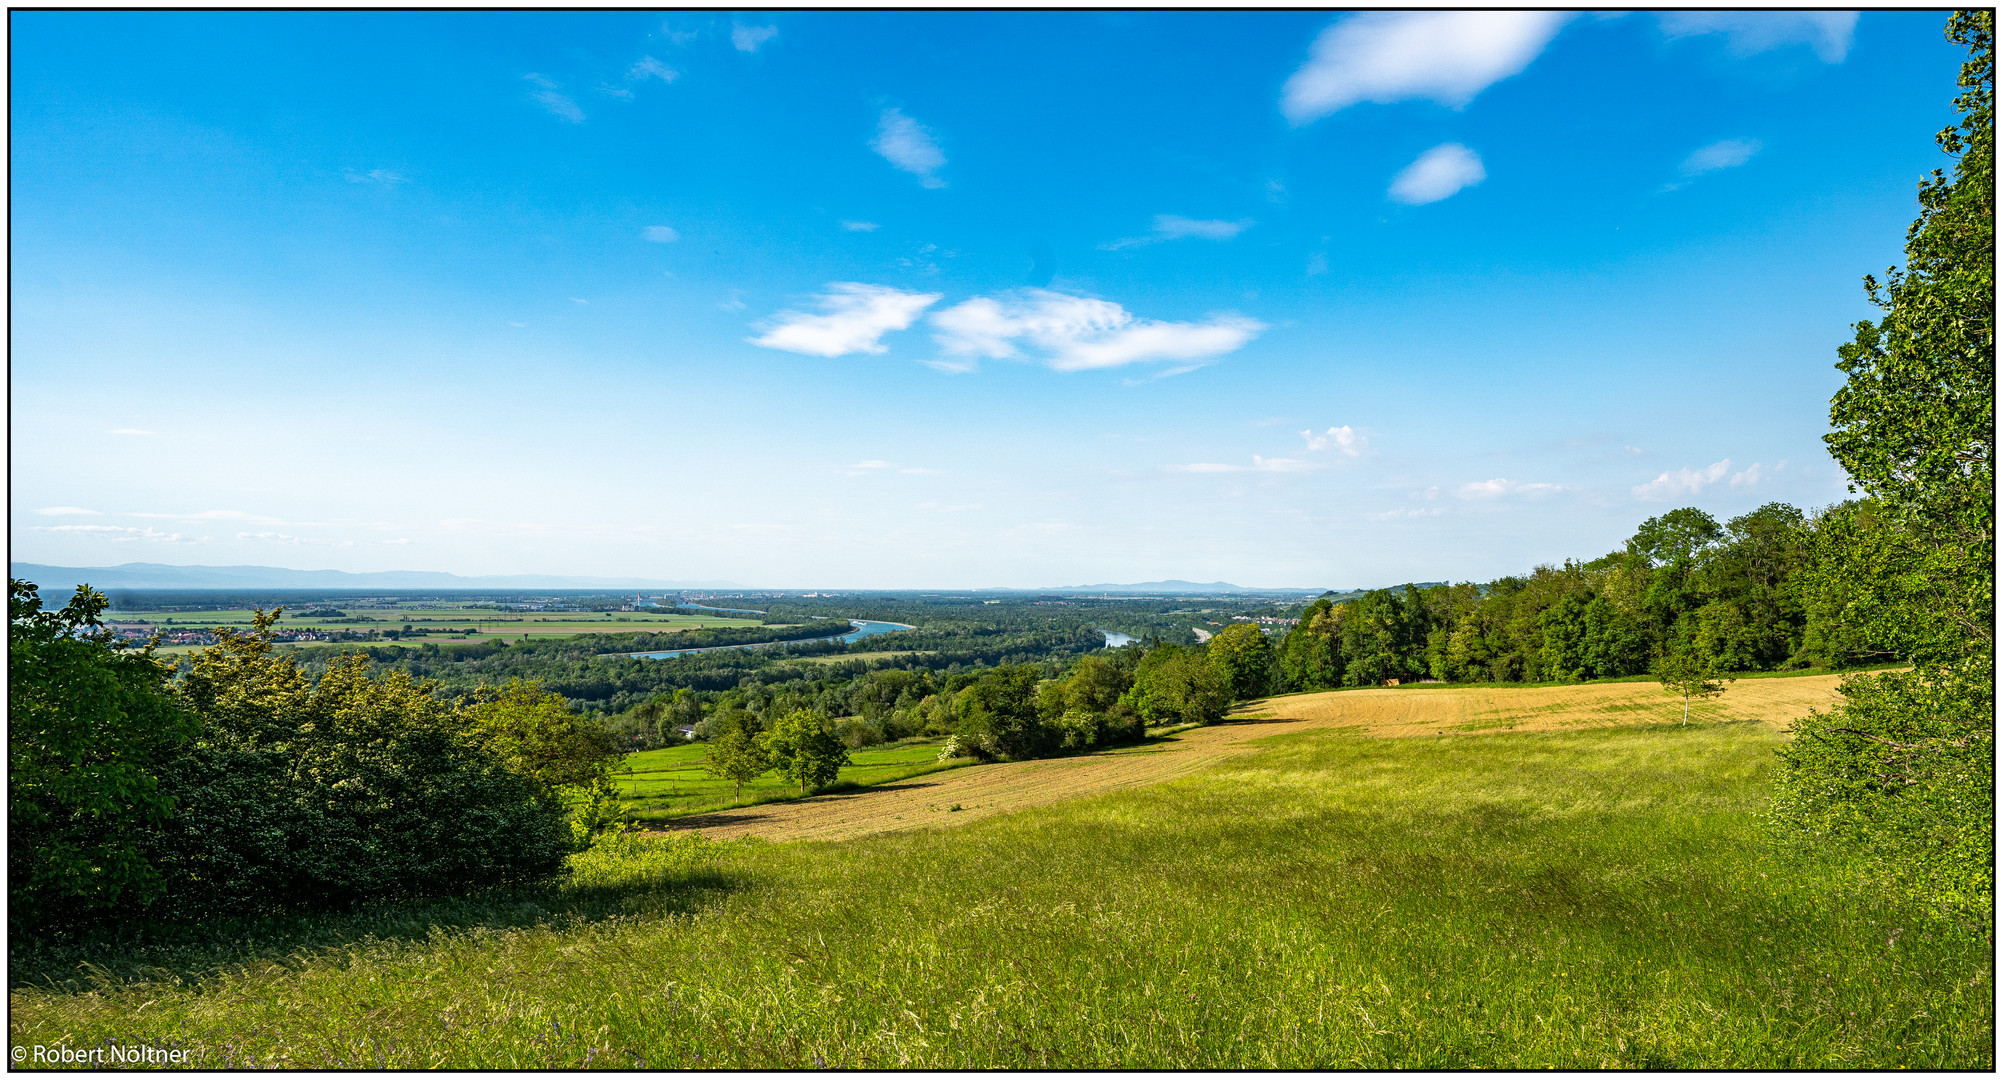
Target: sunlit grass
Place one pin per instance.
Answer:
(671, 781)
(1577, 900)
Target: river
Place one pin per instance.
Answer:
(863, 628)
(1115, 639)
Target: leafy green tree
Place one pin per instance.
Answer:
(736, 754)
(88, 727)
(534, 732)
(1898, 777)
(1001, 712)
(1691, 673)
(1310, 657)
(1175, 684)
(1245, 656)
(804, 750)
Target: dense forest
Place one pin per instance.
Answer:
(1762, 592)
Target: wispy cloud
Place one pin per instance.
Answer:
(1440, 172)
(288, 538)
(1259, 464)
(1498, 487)
(1749, 32)
(854, 318)
(1443, 56)
(748, 38)
(1686, 481)
(860, 226)
(1343, 440)
(660, 234)
(650, 68)
(1723, 154)
(908, 145)
(67, 511)
(130, 431)
(385, 177)
(548, 95)
(1392, 515)
(122, 533)
(1077, 333)
(1177, 227)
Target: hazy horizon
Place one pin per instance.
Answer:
(952, 300)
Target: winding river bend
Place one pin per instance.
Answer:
(863, 628)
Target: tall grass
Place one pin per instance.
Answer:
(1579, 900)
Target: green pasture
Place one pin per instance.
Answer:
(670, 782)
(1579, 901)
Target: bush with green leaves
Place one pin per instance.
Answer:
(1175, 684)
(88, 725)
(299, 794)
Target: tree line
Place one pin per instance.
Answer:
(1765, 591)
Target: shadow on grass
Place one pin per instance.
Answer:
(139, 952)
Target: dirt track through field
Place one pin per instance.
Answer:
(982, 791)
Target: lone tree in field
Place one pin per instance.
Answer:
(736, 755)
(803, 750)
(1691, 675)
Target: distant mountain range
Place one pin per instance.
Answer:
(55, 580)
(1354, 593)
(1174, 587)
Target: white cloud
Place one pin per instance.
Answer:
(67, 511)
(871, 465)
(860, 226)
(1344, 440)
(1748, 479)
(129, 431)
(906, 143)
(1177, 227)
(288, 538)
(557, 104)
(1683, 481)
(121, 533)
(1077, 333)
(1724, 154)
(1259, 464)
(1443, 56)
(748, 38)
(856, 316)
(650, 68)
(1750, 32)
(1439, 172)
(661, 234)
(1498, 487)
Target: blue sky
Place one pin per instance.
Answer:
(907, 300)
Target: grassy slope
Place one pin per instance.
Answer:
(1571, 899)
(670, 782)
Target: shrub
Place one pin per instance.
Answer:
(88, 727)
(1177, 685)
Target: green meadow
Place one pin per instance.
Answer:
(671, 782)
(1572, 900)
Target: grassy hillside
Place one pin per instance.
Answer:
(1573, 899)
(671, 782)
